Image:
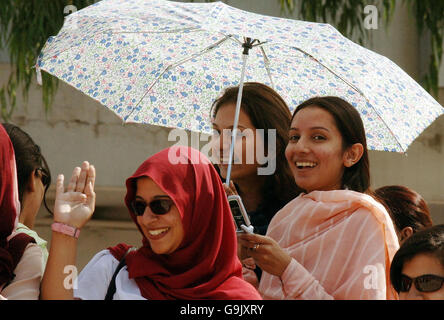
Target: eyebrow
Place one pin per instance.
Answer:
(230, 127)
(313, 128)
(161, 196)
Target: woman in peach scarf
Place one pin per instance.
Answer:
(334, 241)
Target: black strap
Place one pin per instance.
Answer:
(112, 285)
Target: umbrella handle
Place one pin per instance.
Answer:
(236, 117)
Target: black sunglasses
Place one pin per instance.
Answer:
(424, 283)
(44, 176)
(158, 206)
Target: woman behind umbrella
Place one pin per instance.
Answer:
(265, 185)
(262, 108)
(20, 258)
(189, 248)
(334, 241)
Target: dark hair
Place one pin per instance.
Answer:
(427, 241)
(406, 207)
(267, 110)
(350, 125)
(28, 158)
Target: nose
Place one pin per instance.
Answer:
(413, 294)
(297, 147)
(148, 216)
(220, 143)
(225, 138)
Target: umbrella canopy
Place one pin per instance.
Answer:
(164, 63)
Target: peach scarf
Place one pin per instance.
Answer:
(341, 242)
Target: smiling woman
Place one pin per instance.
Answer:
(162, 223)
(327, 135)
(189, 242)
(322, 244)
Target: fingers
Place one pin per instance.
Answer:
(250, 245)
(252, 237)
(80, 187)
(59, 185)
(91, 178)
(77, 197)
(81, 177)
(74, 178)
(254, 243)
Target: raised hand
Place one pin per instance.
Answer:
(76, 206)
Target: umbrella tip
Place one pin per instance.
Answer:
(39, 74)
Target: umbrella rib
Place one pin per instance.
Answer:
(267, 66)
(173, 65)
(329, 69)
(356, 89)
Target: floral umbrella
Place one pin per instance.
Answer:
(164, 63)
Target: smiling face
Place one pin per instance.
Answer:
(315, 150)
(419, 265)
(245, 145)
(164, 232)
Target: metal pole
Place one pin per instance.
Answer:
(247, 45)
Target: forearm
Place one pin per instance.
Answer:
(298, 283)
(62, 253)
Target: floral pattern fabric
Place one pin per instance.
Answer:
(164, 63)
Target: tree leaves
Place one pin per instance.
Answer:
(24, 28)
(430, 15)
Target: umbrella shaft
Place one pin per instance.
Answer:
(236, 118)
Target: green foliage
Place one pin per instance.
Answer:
(24, 28)
(430, 15)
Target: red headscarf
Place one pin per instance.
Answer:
(205, 265)
(11, 250)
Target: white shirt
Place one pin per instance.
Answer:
(93, 281)
(29, 273)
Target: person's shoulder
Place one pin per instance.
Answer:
(103, 257)
(31, 256)
(102, 265)
(21, 228)
(95, 277)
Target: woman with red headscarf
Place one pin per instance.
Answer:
(189, 247)
(20, 258)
